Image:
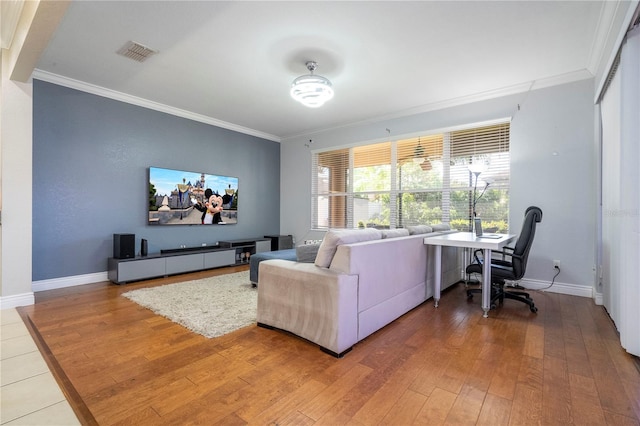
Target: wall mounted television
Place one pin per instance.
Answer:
(178, 197)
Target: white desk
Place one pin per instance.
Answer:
(467, 239)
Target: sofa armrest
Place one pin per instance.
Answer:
(315, 303)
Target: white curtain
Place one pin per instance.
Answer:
(620, 114)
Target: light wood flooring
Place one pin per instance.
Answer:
(119, 364)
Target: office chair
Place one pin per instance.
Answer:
(510, 264)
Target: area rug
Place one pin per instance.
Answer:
(211, 306)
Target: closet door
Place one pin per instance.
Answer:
(611, 233)
(620, 112)
(629, 290)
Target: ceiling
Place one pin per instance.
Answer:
(233, 62)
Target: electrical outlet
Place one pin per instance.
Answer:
(556, 264)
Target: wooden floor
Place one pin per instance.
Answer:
(119, 363)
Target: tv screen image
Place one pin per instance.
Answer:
(178, 197)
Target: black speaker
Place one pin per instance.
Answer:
(143, 247)
(124, 246)
(280, 242)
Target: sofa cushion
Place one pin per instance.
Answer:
(336, 237)
(419, 229)
(394, 233)
(306, 253)
(441, 227)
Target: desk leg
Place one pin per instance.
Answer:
(438, 269)
(486, 283)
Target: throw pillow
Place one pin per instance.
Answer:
(306, 253)
(394, 233)
(336, 237)
(419, 229)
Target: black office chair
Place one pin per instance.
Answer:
(510, 264)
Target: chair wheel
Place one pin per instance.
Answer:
(533, 309)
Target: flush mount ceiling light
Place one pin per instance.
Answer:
(311, 90)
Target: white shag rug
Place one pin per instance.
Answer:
(210, 306)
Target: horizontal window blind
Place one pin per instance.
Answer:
(419, 149)
(480, 140)
(484, 149)
(330, 187)
(417, 180)
(372, 167)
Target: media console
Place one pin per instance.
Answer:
(181, 260)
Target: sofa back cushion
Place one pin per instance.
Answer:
(419, 229)
(441, 227)
(336, 237)
(395, 233)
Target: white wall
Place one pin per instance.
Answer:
(15, 167)
(554, 120)
(554, 166)
(34, 28)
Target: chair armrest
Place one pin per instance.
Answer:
(506, 249)
(505, 252)
(503, 261)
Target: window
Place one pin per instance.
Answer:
(420, 180)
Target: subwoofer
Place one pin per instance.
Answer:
(124, 246)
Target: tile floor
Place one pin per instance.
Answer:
(29, 394)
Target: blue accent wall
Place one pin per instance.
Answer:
(91, 157)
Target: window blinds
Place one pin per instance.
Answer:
(480, 140)
(329, 188)
(408, 181)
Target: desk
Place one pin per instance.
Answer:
(469, 240)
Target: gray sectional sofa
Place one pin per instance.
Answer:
(361, 280)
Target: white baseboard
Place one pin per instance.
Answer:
(598, 298)
(557, 287)
(55, 283)
(26, 299)
(13, 301)
(71, 281)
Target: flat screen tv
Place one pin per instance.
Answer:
(178, 197)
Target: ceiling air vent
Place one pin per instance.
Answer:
(136, 51)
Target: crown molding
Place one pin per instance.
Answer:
(604, 31)
(619, 37)
(464, 100)
(583, 74)
(435, 106)
(71, 83)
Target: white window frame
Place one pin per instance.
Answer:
(349, 194)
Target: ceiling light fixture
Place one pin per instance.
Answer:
(311, 90)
